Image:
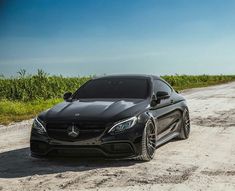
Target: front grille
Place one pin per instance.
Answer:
(87, 130)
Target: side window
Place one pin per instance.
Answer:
(161, 86)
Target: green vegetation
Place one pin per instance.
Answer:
(181, 82)
(17, 110)
(39, 86)
(23, 97)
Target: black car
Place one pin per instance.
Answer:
(114, 116)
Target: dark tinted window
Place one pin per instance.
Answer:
(114, 88)
(161, 86)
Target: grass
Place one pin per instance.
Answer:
(24, 96)
(14, 111)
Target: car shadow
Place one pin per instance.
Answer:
(18, 163)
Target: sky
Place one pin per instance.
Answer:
(96, 37)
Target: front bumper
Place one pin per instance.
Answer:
(125, 144)
(121, 149)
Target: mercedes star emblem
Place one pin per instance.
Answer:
(73, 131)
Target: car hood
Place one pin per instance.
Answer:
(108, 110)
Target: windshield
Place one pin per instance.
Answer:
(114, 88)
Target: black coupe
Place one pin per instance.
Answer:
(114, 116)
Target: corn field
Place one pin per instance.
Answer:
(39, 86)
(27, 87)
(181, 82)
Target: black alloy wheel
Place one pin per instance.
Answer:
(148, 142)
(185, 125)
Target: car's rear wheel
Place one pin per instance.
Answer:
(148, 142)
(185, 125)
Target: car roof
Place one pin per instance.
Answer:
(134, 76)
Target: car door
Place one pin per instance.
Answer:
(162, 112)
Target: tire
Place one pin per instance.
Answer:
(185, 126)
(148, 143)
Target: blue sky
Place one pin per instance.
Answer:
(86, 37)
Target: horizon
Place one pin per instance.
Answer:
(97, 37)
(25, 73)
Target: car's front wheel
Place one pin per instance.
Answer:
(148, 142)
(185, 125)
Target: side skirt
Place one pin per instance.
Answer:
(166, 138)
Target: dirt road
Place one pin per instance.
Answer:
(206, 161)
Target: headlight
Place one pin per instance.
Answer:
(38, 126)
(123, 125)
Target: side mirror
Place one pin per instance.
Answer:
(67, 95)
(162, 95)
(158, 97)
(154, 101)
